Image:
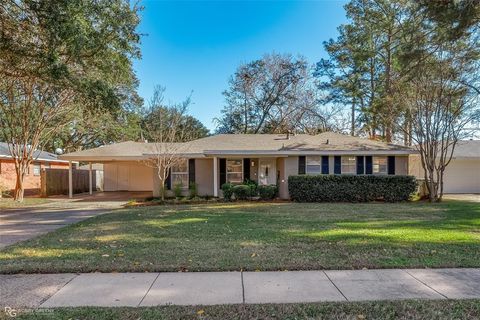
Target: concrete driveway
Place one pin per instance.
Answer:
(19, 224)
(473, 197)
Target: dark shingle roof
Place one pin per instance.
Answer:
(37, 155)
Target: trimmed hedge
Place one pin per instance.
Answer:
(242, 192)
(227, 189)
(350, 188)
(267, 192)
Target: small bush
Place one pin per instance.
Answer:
(253, 185)
(227, 189)
(351, 188)
(267, 192)
(241, 192)
(193, 190)
(177, 190)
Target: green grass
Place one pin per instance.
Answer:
(27, 202)
(258, 236)
(446, 309)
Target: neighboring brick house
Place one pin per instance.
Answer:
(32, 179)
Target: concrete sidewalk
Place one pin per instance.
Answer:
(208, 288)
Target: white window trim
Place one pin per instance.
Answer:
(226, 169)
(39, 169)
(373, 166)
(354, 165)
(306, 165)
(172, 173)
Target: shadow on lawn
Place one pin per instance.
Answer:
(208, 238)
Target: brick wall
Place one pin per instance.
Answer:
(31, 182)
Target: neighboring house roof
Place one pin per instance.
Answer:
(38, 155)
(244, 144)
(467, 149)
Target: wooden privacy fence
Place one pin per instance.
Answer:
(55, 181)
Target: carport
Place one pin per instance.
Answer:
(123, 165)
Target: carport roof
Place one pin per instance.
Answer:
(467, 149)
(244, 144)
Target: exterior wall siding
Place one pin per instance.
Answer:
(128, 176)
(204, 176)
(290, 169)
(401, 165)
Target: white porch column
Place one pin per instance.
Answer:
(70, 180)
(215, 177)
(90, 187)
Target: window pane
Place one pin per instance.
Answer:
(234, 166)
(181, 166)
(380, 165)
(234, 177)
(180, 178)
(314, 169)
(314, 160)
(349, 165)
(36, 169)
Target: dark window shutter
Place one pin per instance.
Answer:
(168, 182)
(191, 171)
(223, 171)
(360, 166)
(325, 168)
(368, 165)
(301, 164)
(391, 164)
(337, 169)
(246, 169)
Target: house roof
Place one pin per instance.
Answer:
(467, 149)
(243, 144)
(38, 155)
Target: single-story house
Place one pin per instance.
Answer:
(462, 174)
(266, 158)
(42, 160)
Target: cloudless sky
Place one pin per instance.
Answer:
(195, 46)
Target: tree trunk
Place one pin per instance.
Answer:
(19, 188)
(353, 117)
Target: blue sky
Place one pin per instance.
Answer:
(195, 46)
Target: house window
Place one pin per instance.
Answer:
(36, 169)
(179, 174)
(349, 165)
(380, 165)
(235, 171)
(314, 164)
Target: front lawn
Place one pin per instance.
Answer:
(27, 202)
(258, 236)
(384, 310)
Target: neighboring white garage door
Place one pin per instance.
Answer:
(462, 176)
(127, 176)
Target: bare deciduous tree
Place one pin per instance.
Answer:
(440, 104)
(170, 144)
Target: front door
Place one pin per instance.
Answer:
(267, 171)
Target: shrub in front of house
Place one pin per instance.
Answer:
(227, 189)
(242, 191)
(193, 190)
(268, 192)
(351, 188)
(178, 190)
(253, 185)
